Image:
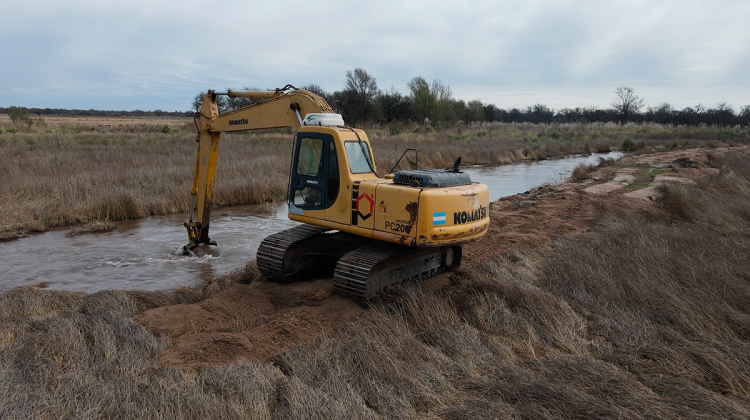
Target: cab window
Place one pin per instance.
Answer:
(333, 173)
(310, 158)
(355, 153)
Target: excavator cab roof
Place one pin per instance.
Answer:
(321, 119)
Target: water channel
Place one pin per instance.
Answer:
(144, 254)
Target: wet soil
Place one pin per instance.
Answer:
(259, 320)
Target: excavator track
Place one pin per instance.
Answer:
(362, 268)
(272, 251)
(365, 272)
(304, 252)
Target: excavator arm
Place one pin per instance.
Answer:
(281, 108)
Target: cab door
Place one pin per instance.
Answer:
(313, 177)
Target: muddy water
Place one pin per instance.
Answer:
(514, 179)
(141, 254)
(144, 254)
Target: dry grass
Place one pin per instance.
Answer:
(59, 179)
(78, 170)
(581, 172)
(645, 316)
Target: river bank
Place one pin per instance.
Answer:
(91, 172)
(583, 300)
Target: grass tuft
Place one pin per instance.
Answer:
(581, 172)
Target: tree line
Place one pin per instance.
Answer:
(362, 102)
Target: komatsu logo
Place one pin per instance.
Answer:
(241, 121)
(469, 216)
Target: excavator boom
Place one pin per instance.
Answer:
(282, 108)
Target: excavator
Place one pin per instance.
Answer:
(371, 232)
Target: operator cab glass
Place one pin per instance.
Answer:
(315, 173)
(333, 174)
(310, 160)
(358, 155)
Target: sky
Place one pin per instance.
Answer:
(153, 54)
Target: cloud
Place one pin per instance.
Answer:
(158, 54)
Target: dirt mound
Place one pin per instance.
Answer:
(262, 319)
(253, 322)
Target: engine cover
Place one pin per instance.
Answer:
(431, 178)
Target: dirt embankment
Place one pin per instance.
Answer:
(259, 320)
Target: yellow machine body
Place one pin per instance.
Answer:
(380, 209)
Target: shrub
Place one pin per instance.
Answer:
(581, 172)
(17, 113)
(395, 128)
(603, 147)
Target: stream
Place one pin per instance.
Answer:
(144, 254)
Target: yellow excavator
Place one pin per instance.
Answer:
(369, 231)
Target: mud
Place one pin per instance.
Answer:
(260, 320)
(254, 322)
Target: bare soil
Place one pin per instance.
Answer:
(260, 320)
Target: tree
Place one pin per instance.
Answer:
(423, 101)
(540, 114)
(474, 111)
(663, 114)
(358, 97)
(361, 82)
(430, 102)
(221, 102)
(18, 113)
(198, 101)
(723, 114)
(444, 98)
(442, 92)
(627, 103)
(393, 105)
(745, 115)
(318, 91)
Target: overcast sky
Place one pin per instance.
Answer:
(158, 54)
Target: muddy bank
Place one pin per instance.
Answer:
(589, 305)
(259, 320)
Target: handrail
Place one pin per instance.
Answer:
(416, 159)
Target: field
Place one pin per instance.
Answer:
(90, 170)
(583, 301)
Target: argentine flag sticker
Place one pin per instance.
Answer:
(438, 218)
